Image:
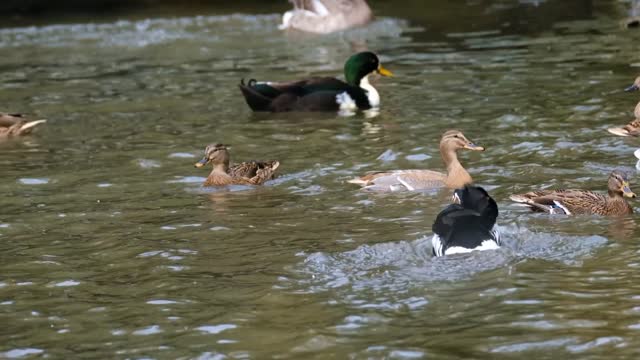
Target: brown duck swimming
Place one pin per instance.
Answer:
(455, 177)
(245, 173)
(326, 16)
(17, 125)
(570, 202)
(633, 127)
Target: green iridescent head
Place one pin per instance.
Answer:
(361, 65)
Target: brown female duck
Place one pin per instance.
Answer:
(571, 202)
(326, 16)
(633, 127)
(455, 177)
(16, 125)
(245, 173)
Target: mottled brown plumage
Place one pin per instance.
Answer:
(455, 177)
(245, 173)
(575, 201)
(16, 125)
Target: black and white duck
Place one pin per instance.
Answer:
(320, 93)
(467, 225)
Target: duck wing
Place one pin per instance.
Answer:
(256, 172)
(401, 180)
(249, 169)
(631, 129)
(17, 124)
(7, 120)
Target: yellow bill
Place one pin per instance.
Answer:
(384, 72)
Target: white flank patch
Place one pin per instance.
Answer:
(437, 245)
(559, 204)
(637, 153)
(485, 245)
(496, 234)
(372, 93)
(406, 184)
(346, 102)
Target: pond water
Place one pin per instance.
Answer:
(111, 248)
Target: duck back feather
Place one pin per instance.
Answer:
(468, 226)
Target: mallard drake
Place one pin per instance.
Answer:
(17, 125)
(571, 202)
(326, 16)
(455, 177)
(633, 127)
(320, 93)
(246, 173)
(467, 225)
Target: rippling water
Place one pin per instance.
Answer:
(111, 247)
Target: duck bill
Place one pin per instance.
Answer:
(626, 191)
(474, 147)
(384, 72)
(631, 88)
(201, 163)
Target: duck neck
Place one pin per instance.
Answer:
(372, 93)
(615, 196)
(221, 168)
(457, 176)
(618, 203)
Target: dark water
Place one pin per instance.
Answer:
(110, 248)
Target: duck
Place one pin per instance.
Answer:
(17, 125)
(633, 127)
(326, 16)
(401, 180)
(637, 155)
(320, 93)
(582, 202)
(245, 173)
(469, 224)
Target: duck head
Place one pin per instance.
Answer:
(215, 154)
(477, 199)
(619, 185)
(635, 86)
(455, 139)
(361, 65)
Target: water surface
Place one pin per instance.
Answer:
(110, 247)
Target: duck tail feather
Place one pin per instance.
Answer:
(358, 181)
(27, 127)
(618, 131)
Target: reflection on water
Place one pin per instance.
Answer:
(111, 245)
